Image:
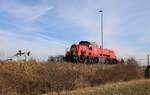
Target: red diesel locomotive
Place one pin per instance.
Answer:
(89, 52)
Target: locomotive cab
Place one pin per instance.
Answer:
(85, 43)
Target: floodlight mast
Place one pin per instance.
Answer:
(101, 30)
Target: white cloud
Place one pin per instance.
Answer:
(40, 46)
(86, 14)
(122, 19)
(23, 11)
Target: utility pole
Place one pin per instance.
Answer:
(147, 70)
(101, 20)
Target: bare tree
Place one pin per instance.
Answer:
(132, 61)
(58, 58)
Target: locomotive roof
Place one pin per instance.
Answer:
(84, 42)
(87, 43)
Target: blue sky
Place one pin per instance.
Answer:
(48, 27)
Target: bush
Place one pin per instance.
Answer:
(35, 78)
(132, 61)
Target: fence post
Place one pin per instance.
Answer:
(147, 70)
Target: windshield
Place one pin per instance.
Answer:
(86, 43)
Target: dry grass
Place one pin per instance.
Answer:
(35, 78)
(136, 87)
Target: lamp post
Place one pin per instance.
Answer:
(101, 17)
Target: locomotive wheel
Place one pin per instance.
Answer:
(89, 60)
(96, 60)
(115, 61)
(111, 61)
(106, 61)
(74, 59)
(82, 59)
